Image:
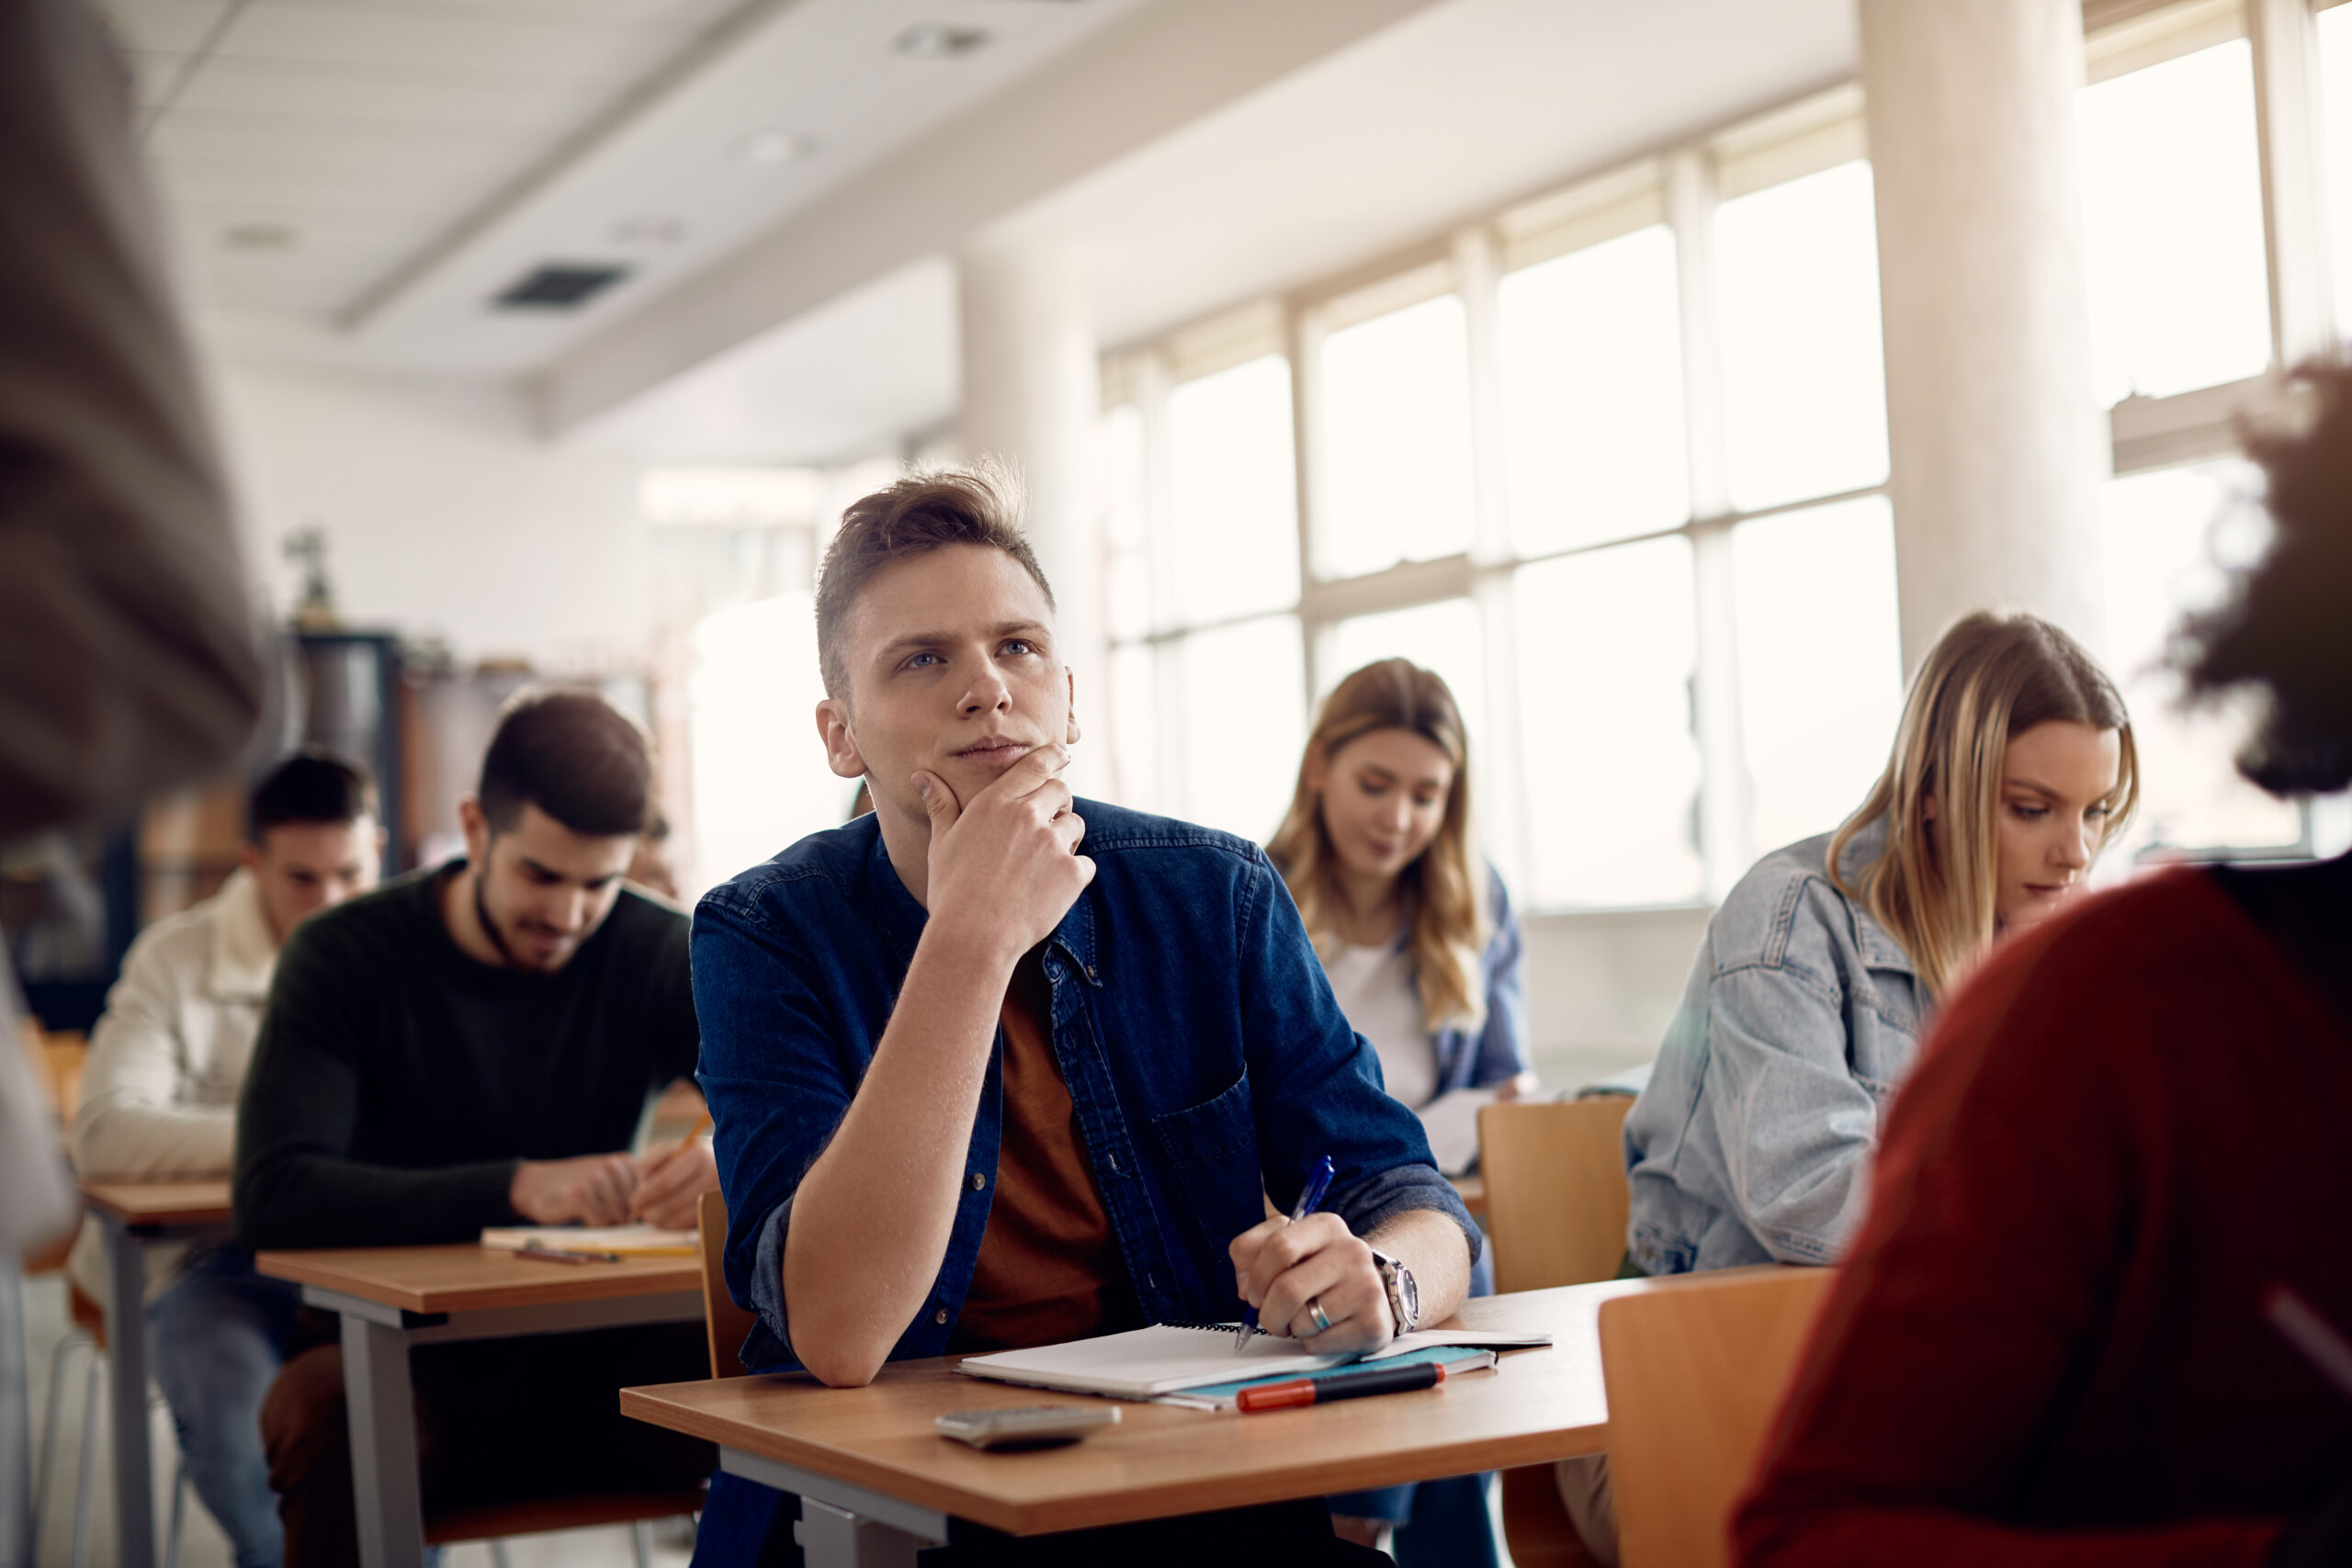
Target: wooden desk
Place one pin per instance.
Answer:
(130, 1215)
(876, 1481)
(392, 1297)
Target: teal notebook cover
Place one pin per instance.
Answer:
(1225, 1393)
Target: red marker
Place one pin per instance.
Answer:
(1348, 1385)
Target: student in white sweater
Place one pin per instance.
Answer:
(159, 1104)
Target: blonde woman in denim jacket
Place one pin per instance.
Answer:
(2013, 765)
(1751, 1142)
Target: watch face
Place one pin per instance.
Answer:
(1410, 1294)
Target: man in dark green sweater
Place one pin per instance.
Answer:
(474, 1045)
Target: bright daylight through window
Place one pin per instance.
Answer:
(1624, 605)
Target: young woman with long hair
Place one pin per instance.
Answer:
(1418, 939)
(1414, 928)
(2013, 766)
(2088, 1320)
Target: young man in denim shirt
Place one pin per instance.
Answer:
(975, 1088)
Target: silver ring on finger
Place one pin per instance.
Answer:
(1314, 1311)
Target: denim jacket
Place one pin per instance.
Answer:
(1498, 1050)
(1752, 1141)
(1205, 1059)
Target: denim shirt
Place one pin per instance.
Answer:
(1498, 1050)
(1752, 1141)
(1205, 1059)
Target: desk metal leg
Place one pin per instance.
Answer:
(383, 1444)
(126, 1305)
(15, 1417)
(835, 1537)
(842, 1525)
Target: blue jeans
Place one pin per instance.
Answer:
(218, 1335)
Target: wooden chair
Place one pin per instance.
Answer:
(1695, 1370)
(1555, 1174)
(723, 1321)
(1554, 1171)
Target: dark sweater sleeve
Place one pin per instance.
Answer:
(295, 1183)
(1981, 1283)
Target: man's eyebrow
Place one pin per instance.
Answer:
(2040, 789)
(899, 645)
(912, 640)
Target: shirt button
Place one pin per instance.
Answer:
(940, 1317)
(978, 1181)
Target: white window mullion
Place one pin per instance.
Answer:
(1497, 782)
(2288, 130)
(1303, 332)
(1722, 791)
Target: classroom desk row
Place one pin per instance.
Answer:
(876, 1481)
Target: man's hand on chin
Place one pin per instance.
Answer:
(1005, 864)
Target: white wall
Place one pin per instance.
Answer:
(1601, 987)
(445, 514)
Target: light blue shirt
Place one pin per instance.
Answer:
(1802, 1017)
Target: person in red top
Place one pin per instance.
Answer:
(2051, 1342)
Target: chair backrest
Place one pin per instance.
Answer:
(725, 1323)
(1554, 1171)
(1695, 1369)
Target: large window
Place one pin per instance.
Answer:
(2170, 535)
(1805, 396)
(1614, 463)
(1561, 536)
(2172, 184)
(1396, 439)
(1592, 393)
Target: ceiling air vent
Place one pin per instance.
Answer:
(560, 286)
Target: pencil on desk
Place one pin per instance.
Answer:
(537, 1248)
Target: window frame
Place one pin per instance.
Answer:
(1681, 186)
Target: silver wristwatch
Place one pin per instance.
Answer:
(1403, 1295)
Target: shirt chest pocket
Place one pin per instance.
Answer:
(1883, 1032)
(1213, 1149)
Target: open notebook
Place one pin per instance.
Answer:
(633, 1241)
(1146, 1362)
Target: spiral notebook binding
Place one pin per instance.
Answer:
(1210, 1327)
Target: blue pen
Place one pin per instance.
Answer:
(1318, 1183)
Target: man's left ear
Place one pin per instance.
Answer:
(1070, 738)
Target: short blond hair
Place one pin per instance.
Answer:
(926, 510)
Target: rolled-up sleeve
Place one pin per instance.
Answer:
(778, 1084)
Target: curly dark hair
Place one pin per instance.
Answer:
(2286, 626)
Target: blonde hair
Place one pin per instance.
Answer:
(1990, 677)
(1443, 886)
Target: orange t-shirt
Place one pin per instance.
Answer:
(1050, 1268)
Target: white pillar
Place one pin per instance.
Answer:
(1031, 393)
(1997, 445)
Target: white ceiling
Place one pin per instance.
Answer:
(422, 153)
(1446, 114)
(1449, 113)
(366, 130)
